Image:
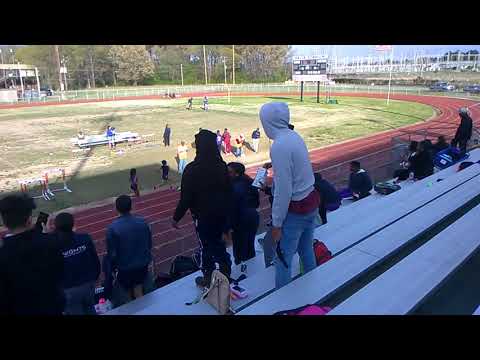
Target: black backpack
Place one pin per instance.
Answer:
(386, 188)
(184, 265)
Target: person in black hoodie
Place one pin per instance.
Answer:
(422, 164)
(329, 197)
(464, 130)
(81, 265)
(244, 217)
(359, 182)
(207, 192)
(31, 263)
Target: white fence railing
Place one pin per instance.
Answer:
(115, 93)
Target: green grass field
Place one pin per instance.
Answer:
(37, 138)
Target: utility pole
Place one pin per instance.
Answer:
(233, 64)
(64, 62)
(225, 69)
(57, 63)
(390, 78)
(181, 72)
(205, 64)
(4, 71)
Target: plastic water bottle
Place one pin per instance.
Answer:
(103, 306)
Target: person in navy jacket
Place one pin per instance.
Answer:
(81, 266)
(244, 218)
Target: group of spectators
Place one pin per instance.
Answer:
(49, 269)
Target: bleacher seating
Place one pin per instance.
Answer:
(403, 287)
(347, 230)
(356, 260)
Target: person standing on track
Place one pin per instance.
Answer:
(295, 200)
(464, 130)
(166, 135)
(134, 182)
(207, 192)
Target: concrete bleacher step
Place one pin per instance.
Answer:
(358, 220)
(186, 287)
(344, 268)
(403, 287)
(343, 228)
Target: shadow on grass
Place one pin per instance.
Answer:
(100, 187)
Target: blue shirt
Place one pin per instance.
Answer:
(129, 242)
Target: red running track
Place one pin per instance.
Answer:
(158, 207)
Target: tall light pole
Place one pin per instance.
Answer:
(390, 77)
(181, 72)
(233, 64)
(205, 64)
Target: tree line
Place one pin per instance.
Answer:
(90, 66)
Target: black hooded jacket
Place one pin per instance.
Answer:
(464, 131)
(206, 188)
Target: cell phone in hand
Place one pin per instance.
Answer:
(41, 219)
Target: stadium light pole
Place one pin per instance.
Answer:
(205, 64)
(390, 77)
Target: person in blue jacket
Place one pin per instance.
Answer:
(81, 266)
(244, 219)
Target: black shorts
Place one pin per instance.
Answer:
(128, 279)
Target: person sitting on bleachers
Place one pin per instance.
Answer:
(402, 174)
(422, 163)
(440, 145)
(359, 183)
(129, 247)
(81, 267)
(329, 198)
(31, 263)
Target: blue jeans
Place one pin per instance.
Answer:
(181, 166)
(297, 236)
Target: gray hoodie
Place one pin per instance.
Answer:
(293, 174)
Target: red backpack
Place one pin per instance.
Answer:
(322, 254)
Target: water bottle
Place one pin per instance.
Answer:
(103, 306)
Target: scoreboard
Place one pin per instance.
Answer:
(309, 68)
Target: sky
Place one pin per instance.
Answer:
(369, 50)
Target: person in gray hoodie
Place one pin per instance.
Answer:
(295, 200)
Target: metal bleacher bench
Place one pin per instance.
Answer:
(359, 256)
(339, 234)
(403, 287)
